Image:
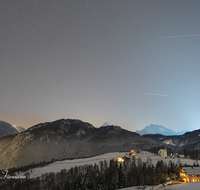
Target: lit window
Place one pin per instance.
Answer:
(119, 159)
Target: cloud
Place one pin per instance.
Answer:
(156, 94)
(183, 36)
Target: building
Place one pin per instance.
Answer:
(132, 152)
(181, 156)
(189, 174)
(162, 153)
(122, 159)
(119, 159)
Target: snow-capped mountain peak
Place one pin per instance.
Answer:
(19, 128)
(105, 124)
(158, 129)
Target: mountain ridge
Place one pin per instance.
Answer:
(189, 140)
(19, 128)
(72, 138)
(7, 129)
(66, 138)
(158, 129)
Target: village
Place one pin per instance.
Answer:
(189, 173)
(186, 169)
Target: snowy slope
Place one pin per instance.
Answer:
(19, 128)
(67, 164)
(169, 142)
(183, 186)
(138, 188)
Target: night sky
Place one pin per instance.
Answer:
(126, 62)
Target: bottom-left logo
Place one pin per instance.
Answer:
(7, 176)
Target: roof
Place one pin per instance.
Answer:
(191, 170)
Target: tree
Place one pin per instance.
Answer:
(121, 181)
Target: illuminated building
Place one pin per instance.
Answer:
(189, 174)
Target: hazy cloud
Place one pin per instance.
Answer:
(156, 94)
(183, 36)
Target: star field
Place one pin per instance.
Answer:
(130, 63)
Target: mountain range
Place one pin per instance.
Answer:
(71, 138)
(188, 141)
(66, 139)
(8, 129)
(158, 129)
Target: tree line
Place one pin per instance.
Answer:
(107, 175)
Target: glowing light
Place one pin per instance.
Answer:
(132, 152)
(119, 159)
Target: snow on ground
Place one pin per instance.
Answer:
(183, 186)
(169, 142)
(155, 158)
(67, 164)
(138, 188)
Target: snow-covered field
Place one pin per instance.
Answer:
(155, 158)
(183, 186)
(138, 188)
(67, 164)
